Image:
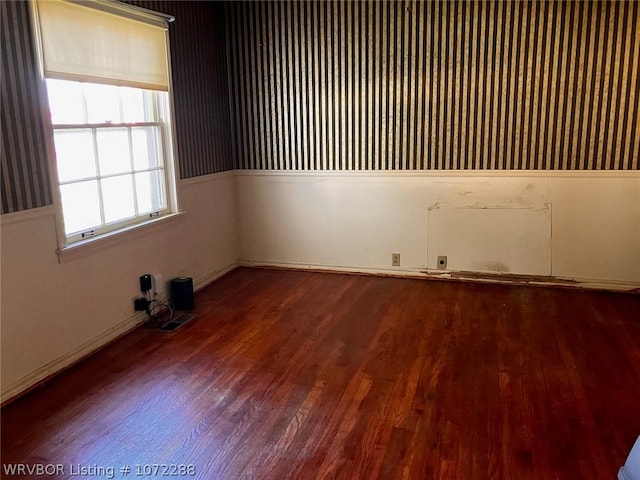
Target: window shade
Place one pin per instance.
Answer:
(86, 44)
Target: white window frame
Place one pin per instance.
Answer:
(70, 246)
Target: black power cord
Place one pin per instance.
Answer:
(155, 307)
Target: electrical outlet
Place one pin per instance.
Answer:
(158, 285)
(442, 262)
(395, 259)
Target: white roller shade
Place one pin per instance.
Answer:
(86, 44)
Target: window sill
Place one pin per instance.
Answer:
(89, 246)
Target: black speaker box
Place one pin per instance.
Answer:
(182, 293)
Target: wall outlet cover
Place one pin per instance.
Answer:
(395, 259)
(442, 262)
(158, 285)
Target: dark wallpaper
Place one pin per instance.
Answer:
(435, 85)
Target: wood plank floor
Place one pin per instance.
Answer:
(310, 375)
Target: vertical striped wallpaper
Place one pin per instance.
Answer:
(434, 85)
(199, 71)
(369, 86)
(23, 162)
(200, 93)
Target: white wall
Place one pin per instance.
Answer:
(54, 313)
(583, 226)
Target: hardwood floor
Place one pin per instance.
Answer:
(309, 375)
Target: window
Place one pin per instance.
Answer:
(106, 72)
(109, 155)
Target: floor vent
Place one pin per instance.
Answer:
(175, 323)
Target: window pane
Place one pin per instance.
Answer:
(80, 206)
(74, 154)
(146, 147)
(113, 150)
(113, 174)
(65, 102)
(133, 105)
(150, 191)
(117, 196)
(103, 103)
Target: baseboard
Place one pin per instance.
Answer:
(53, 368)
(481, 277)
(46, 372)
(212, 277)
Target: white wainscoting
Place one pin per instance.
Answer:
(580, 226)
(54, 314)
